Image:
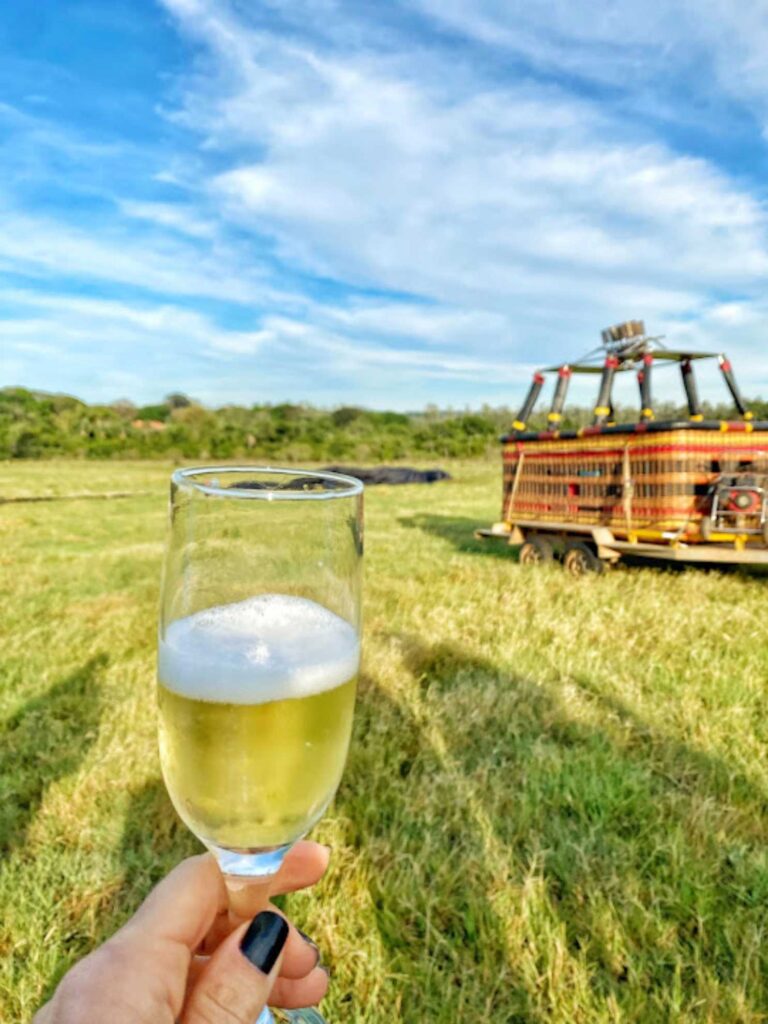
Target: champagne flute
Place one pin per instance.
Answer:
(259, 650)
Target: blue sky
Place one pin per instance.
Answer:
(388, 204)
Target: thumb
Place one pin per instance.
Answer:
(235, 985)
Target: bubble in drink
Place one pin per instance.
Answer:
(255, 706)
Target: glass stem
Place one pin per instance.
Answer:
(247, 896)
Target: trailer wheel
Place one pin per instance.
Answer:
(705, 528)
(536, 551)
(580, 560)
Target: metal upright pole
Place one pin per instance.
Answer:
(558, 401)
(727, 371)
(530, 401)
(603, 407)
(689, 383)
(644, 380)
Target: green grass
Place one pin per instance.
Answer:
(555, 808)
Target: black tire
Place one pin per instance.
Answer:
(580, 560)
(705, 528)
(536, 551)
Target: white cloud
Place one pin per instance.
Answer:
(482, 215)
(700, 46)
(46, 247)
(78, 319)
(350, 356)
(289, 358)
(407, 320)
(520, 200)
(179, 217)
(282, 355)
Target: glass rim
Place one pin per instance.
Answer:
(185, 478)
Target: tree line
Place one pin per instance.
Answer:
(36, 425)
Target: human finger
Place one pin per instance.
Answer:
(300, 956)
(291, 993)
(304, 865)
(183, 907)
(234, 986)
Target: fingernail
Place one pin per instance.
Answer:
(310, 942)
(264, 940)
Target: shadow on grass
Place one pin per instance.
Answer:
(718, 568)
(153, 842)
(685, 768)
(443, 943)
(651, 883)
(46, 740)
(460, 531)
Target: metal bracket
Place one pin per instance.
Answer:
(604, 540)
(516, 535)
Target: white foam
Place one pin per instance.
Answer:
(269, 647)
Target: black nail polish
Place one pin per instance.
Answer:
(264, 940)
(311, 943)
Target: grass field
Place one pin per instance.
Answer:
(555, 808)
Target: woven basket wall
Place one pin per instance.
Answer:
(583, 479)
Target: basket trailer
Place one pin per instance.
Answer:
(691, 490)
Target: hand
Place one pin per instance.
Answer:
(180, 959)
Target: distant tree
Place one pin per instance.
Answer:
(177, 400)
(287, 411)
(345, 415)
(161, 411)
(125, 408)
(389, 419)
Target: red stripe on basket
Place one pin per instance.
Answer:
(591, 453)
(637, 508)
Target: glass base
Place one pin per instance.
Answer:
(249, 863)
(308, 1015)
